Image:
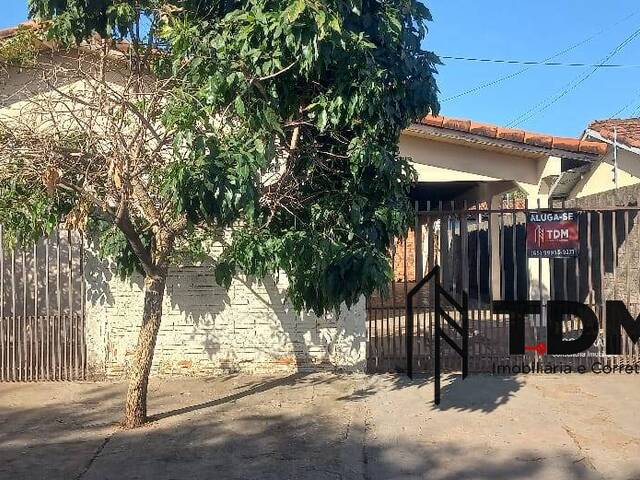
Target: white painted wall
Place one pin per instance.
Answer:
(438, 161)
(600, 177)
(206, 330)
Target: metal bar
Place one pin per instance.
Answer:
(409, 335)
(478, 279)
(25, 363)
(4, 352)
(627, 254)
(614, 255)
(539, 271)
(601, 255)
(83, 299)
(417, 244)
(72, 365)
(590, 258)
(490, 250)
(436, 344)
(34, 333)
(503, 271)
(57, 331)
(451, 238)
(465, 334)
(47, 307)
(514, 260)
(451, 343)
(450, 299)
(451, 321)
(464, 246)
(405, 287)
(14, 347)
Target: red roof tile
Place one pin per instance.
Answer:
(11, 31)
(517, 136)
(628, 130)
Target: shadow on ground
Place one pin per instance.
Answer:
(480, 392)
(298, 427)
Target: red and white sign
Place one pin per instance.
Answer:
(553, 235)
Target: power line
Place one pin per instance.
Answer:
(537, 63)
(572, 85)
(636, 97)
(552, 57)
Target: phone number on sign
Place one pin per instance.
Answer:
(556, 252)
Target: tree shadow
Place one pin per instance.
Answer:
(255, 388)
(278, 429)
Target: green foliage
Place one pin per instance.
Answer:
(21, 49)
(287, 118)
(112, 245)
(27, 213)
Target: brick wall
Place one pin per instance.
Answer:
(621, 262)
(404, 259)
(207, 330)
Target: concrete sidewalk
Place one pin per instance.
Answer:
(324, 426)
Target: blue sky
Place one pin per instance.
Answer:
(525, 30)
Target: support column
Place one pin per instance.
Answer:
(495, 273)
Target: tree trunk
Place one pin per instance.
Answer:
(135, 413)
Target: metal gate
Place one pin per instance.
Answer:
(482, 250)
(42, 310)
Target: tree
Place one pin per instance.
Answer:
(277, 121)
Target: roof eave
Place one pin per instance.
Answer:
(595, 134)
(522, 149)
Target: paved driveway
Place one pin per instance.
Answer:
(323, 426)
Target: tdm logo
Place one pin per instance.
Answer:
(618, 317)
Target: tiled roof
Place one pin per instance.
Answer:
(11, 31)
(122, 46)
(628, 130)
(513, 135)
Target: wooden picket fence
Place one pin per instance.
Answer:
(42, 310)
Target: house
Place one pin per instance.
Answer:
(460, 164)
(619, 167)
(465, 164)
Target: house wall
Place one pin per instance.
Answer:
(446, 162)
(617, 275)
(207, 330)
(600, 178)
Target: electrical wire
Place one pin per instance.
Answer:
(636, 98)
(538, 63)
(548, 59)
(572, 85)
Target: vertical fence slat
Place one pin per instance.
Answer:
(83, 299)
(72, 365)
(4, 342)
(14, 338)
(47, 310)
(58, 330)
(34, 334)
(35, 344)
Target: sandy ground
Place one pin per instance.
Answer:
(324, 426)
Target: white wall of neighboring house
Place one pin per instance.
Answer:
(600, 177)
(207, 330)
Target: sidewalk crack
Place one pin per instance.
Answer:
(94, 457)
